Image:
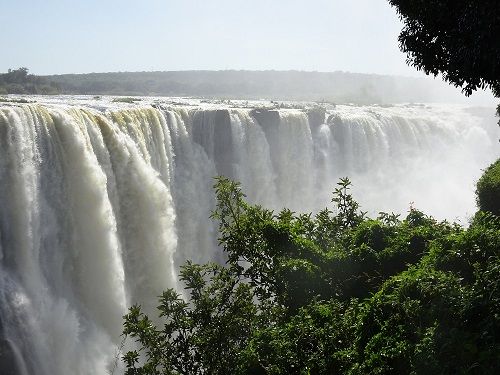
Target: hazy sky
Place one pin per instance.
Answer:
(63, 36)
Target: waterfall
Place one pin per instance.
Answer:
(100, 202)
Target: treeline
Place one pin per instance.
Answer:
(334, 87)
(339, 87)
(334, 293)
(19, 81)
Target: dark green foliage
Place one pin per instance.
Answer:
(403, 319)
(317, 340)
(332, 293)
(442, 316)
(456, 38)
(488, 189)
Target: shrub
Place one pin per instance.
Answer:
(488, 189)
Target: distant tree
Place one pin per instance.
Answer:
(17, 75)
(22, 74)
(18, 81)
(457, 38)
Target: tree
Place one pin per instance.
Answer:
(16, 76)
(456, 38)
(202, 336)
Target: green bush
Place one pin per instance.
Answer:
(488, 189)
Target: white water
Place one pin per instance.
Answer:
(100, 203)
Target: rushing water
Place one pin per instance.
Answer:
(100, 202)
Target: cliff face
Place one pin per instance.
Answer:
(8, 362)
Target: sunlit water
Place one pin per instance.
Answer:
(101, 202)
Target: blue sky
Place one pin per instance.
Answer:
(63, 36)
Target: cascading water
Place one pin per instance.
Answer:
(100, 202)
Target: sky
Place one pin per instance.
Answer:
(70, 36)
